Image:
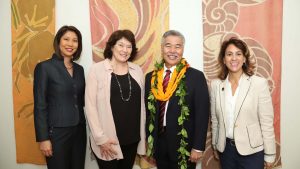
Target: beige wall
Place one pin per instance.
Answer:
(290, 119)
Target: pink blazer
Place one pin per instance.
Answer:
(254, 115)
(98, 109)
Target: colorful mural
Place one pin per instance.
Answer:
(148, 20)
(32, 29)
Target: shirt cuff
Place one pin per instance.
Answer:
(269, 158)
(198, 151)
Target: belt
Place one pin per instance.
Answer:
(230, 141)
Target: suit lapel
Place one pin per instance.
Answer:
(75, 72)
(243, 91)
(222, 100)
(61, 67)
(171, 101)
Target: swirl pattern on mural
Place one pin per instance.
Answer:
(146, 19)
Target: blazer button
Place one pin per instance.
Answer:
(75, 96)
(76, 106)
(74, 85)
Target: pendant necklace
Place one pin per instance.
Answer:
(121, 91)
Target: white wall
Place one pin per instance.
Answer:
(192, 29)
(290, 85)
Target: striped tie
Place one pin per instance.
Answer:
(162, 105)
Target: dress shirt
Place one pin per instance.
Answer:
(172, 70)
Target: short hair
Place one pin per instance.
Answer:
(172, 33)
(248, 66)
(117, 35)
(63, 30)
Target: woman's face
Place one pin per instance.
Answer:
(121, 51)
(68, 44)
(234, 59)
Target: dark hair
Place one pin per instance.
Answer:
(63, 30)
(247, 67)
(117, 35)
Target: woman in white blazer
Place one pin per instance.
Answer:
(242, 112)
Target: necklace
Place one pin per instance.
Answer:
(71, 67)
(121, 91)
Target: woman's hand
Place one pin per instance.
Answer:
(46, 148)
(107, 150)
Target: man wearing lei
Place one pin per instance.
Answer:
(177, 108)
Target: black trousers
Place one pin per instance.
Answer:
(162, 154)
(69, 146)
(129, 153)
(231, 159)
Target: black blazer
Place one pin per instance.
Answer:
(58, 97)
(198, 102)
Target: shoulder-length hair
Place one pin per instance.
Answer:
(248, 66)
(117, 35)
(63, 30)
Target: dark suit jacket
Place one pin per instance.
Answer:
(198, 102)
(58, 97)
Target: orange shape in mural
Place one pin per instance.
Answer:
(148, 20)
(32, 36)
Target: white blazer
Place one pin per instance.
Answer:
(254, 115)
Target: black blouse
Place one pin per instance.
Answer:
(126, 113)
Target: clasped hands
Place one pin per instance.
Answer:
(195, 156)
(107, 150)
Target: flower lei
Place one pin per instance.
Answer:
(176, 82)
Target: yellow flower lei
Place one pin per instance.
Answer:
(177, 82)
(157, 90)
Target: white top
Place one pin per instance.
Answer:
(230, 102)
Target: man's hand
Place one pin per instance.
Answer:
(107, 150)
(195, 156)
(46, 148)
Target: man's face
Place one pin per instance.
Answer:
(172, 50)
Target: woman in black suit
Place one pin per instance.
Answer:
(58, 103)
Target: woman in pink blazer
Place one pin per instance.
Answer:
(115, 106)
(242, 112)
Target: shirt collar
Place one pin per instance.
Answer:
(171, 69)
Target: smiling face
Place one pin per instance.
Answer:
(68, 44)
(172, 50)
(121, 51)
(234, 59)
